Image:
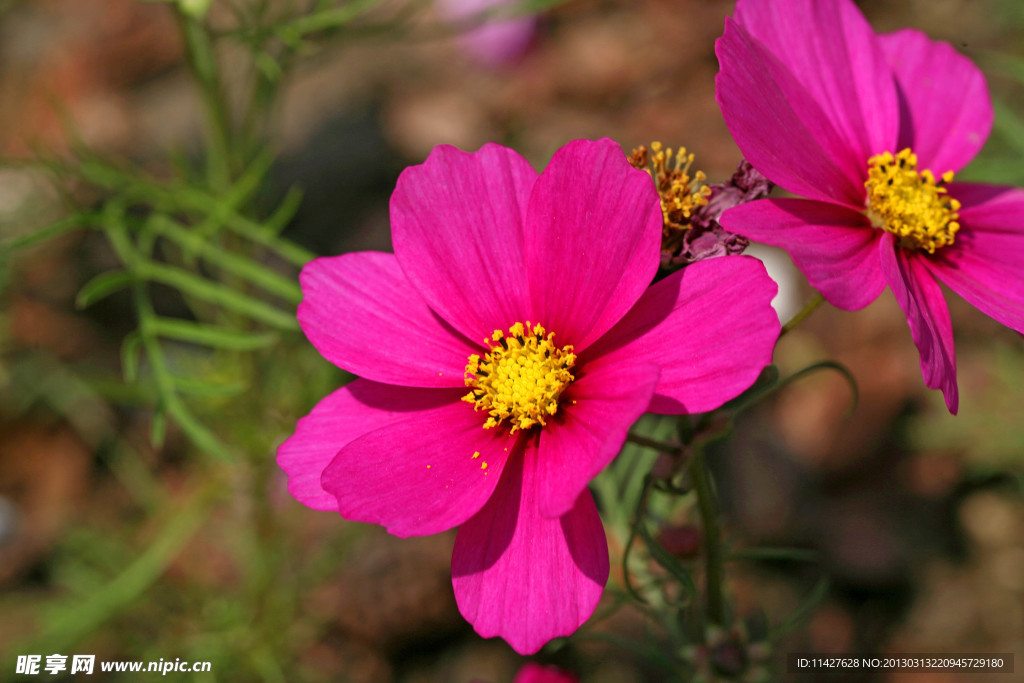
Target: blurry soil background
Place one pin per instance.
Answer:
(918, 516)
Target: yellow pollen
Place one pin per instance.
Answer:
(521, 378)
(681, 194)
(909, 203)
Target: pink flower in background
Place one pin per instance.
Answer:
(870, 128)
(504, 351)
(496, 41)
(533, 672)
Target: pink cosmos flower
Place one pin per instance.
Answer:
(504, 351)
(870, 128)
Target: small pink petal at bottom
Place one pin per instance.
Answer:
(497, 41)
(533, 672)
(521, 576)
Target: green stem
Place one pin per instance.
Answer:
(245, 227)
(210, 335)
(713, 552)
(184, 197)
(332, 18)
(252, 271)
(652, 595)
(203, 62)
(654, 444)
(215, 293)
(808, 308)
(200, 436)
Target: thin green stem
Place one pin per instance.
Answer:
(188, 198)
(328, 19)
(633, 534)
(203, 61)
(216, 293)
(211, 335)
(652, 595)
(660, 446)
(240, 225)
(808, 308)
(713, 551)
(200, 436)
(245, 268)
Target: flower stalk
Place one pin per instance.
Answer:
(712, 542)
(203, 63)
(654, 444)
(804, 313)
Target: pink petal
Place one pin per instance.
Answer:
(711, 328)
(833, 246)
(533, 672)
(920, 297)
(590, 427)
(522, 576)
(833, 51)
(947, 111)
(593, 236)
(361, 313)
(457, 228)
(422, 475)
(495, 41)
(779, 126)
(355, 409)
(983, 265)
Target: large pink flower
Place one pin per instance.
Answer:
(487, 251)
(870, 128)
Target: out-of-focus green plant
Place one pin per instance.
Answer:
(230, 371)
(199, 233)
(1000, 161)
(987, 432)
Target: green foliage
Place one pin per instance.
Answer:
(230, 373)
(987, 430)
(999, 162)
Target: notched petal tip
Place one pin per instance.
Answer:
(522, 577)
(592, 234)
(457, 228)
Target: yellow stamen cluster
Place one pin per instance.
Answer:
(680, 193)
(521, 378)
(909, 203)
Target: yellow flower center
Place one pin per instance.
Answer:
(681, 194)
(520, 378)
(910, 204)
